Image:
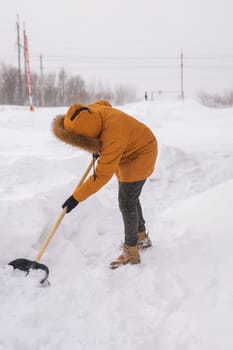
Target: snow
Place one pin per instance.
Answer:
(179, 298)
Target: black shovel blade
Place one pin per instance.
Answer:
(26, 265)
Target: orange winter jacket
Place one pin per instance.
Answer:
(126, 147)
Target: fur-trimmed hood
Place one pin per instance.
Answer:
(87, 143)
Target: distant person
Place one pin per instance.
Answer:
(126, 148)
(146, 96)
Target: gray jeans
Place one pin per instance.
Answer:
(131, 210)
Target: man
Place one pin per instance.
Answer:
(126, 148)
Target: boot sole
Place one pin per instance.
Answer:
(114, 265)
(141, 247)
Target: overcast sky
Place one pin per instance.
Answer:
(133, 42)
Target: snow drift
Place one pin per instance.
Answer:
(179, 297)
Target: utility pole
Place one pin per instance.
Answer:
(25, 64)
(19, 60)
(41, 80)
(182, 76)
(28, 73)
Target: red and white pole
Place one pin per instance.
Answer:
(28, 73)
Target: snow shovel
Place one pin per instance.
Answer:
(27, 265)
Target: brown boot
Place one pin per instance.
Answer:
(143, 240)
(130, 255)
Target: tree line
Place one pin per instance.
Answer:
(216, 100)
(57, 89)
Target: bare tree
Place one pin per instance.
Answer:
(124, 95)
(216, 100)
(9, 84)
(75, 90)
(50, 90)
(62, 81)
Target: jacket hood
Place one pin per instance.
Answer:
(81, 132)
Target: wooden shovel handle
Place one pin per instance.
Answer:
(61, 216)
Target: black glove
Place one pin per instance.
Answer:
(95, 155)
(70, 204)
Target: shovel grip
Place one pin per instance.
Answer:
(61, 216)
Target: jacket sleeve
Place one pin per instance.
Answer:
(107, 165)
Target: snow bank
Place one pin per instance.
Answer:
(199, 259)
